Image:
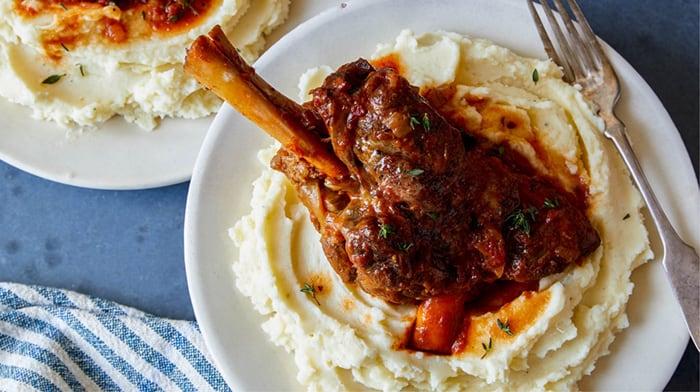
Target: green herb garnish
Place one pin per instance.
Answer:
(385, 230)
(310, 290)
(415, 172)
(413, 122)
(52, 79)
(522, 219)
(535, 76)
(405, 246)
(504, 327)
(550, 203)
(423, 122)
(426, 122)
(627, 216)
(487, 348)
(499, 150)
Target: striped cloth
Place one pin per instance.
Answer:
(59, 340)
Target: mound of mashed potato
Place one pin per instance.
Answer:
(343, 339)
(83, 85)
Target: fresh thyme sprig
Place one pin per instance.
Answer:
(310, 290)
(405, 246)
(523, 219)
(385, 230)
(415, 172)
(550, 203)
(487, 348)
(423, 122)
(505, 327)
(52, 79)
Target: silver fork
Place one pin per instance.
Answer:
(583, 61)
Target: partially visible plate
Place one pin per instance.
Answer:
(116, 155)
(643, 357)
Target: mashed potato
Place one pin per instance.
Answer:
(140, 79)
(343, 339)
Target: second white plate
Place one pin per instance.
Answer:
(116, 155)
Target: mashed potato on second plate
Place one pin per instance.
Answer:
(343, 339)
(67, 62)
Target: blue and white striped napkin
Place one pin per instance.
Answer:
(59, 340)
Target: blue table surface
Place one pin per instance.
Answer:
(127, 246)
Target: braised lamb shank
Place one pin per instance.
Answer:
(408, 206)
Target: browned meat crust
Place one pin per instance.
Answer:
(427, 209)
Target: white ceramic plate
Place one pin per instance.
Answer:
(643, 356)
(117, 155)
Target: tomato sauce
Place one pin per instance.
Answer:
(391, 61)
(451, 324)
(112, 22)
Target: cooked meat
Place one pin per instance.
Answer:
(430, 209)
(408, 206)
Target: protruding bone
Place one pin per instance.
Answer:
(215, 63)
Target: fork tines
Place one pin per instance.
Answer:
(578, 46)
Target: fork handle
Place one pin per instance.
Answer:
(680, 260)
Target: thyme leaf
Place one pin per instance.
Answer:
(499, 150)
(426, 122)
(487, 348)
(550, 203)
(385, 230)
(413, 122)
(504, 327)
(52, 79)
(522, 219)
(310, 290)
(415, 172)
(535, 76)
(423, 122)
(405, 246)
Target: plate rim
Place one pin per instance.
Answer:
(114, 155)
